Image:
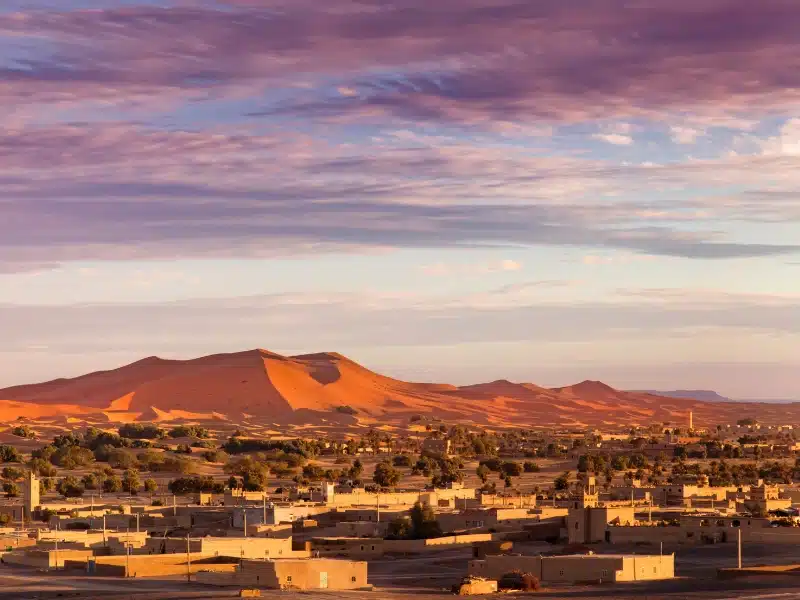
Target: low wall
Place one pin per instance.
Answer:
(151, 566)
(434, 544)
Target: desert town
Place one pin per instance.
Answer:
(440, 509)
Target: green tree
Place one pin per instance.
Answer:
(12, 473)
(112, 484)
(90, 481)
(131, 481)
(561, 482)
(386, 475)
(70, 487)
(423, 522)
(356, 470)
(511, 469)
(10, 489)
(150, 485)
(483, 473)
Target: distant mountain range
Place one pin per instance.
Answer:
(704, 395)
(712, 396)
(328, 388)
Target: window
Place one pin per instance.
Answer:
(362, 548)
(561, 572)
(655, 570)
(577, 524)
(604, 573)
(288, 579)
(373, 547)
(353, 579)
(736, 523)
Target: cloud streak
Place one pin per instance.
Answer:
(465, 61)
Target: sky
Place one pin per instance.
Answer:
(458, 191)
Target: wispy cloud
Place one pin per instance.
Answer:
(444, 269)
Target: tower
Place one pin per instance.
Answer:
(31, 497)
(691, 421)
(589, 495)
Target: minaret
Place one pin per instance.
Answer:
(691, 422)
(31, 495)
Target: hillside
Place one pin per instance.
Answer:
(259, 385)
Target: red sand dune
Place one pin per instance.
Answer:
(276, 388)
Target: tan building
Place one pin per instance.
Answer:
(587, 521)
(236, 547)
(309, 574)
(583, 568)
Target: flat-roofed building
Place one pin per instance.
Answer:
(579, 568)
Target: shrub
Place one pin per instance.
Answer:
(9, 454)
(23, 431)
(141, 431)
(195, 485)
(10, 489)
(70, 487)
(402, 460)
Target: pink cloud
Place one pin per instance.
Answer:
(470, 61)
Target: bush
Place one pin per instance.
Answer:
(493, 464)
(90, 481)
(70, 487)
(112, 484)
(402, 460)
(141, 431)
(531, 467)
(12, 473)
(122, 459)
(238, 445)
(10, 489)
(23, 431)
(72, 457)
(189, 431)
(9, 454)
(215, 456)
(386, 475)
(195, 485)
(511, 469)
(209, 444)
(346, 410)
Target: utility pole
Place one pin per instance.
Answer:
(137, 522)
(264, 516)
(244, 514)
(378, 507)
(174, 507)
(128, 558)
(105, 543)
(56, 565)
(739, 544)
(188, 561)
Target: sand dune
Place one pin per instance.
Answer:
(264, 386)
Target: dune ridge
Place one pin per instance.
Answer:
(260, 384)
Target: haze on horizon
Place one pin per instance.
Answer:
(454, 191)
